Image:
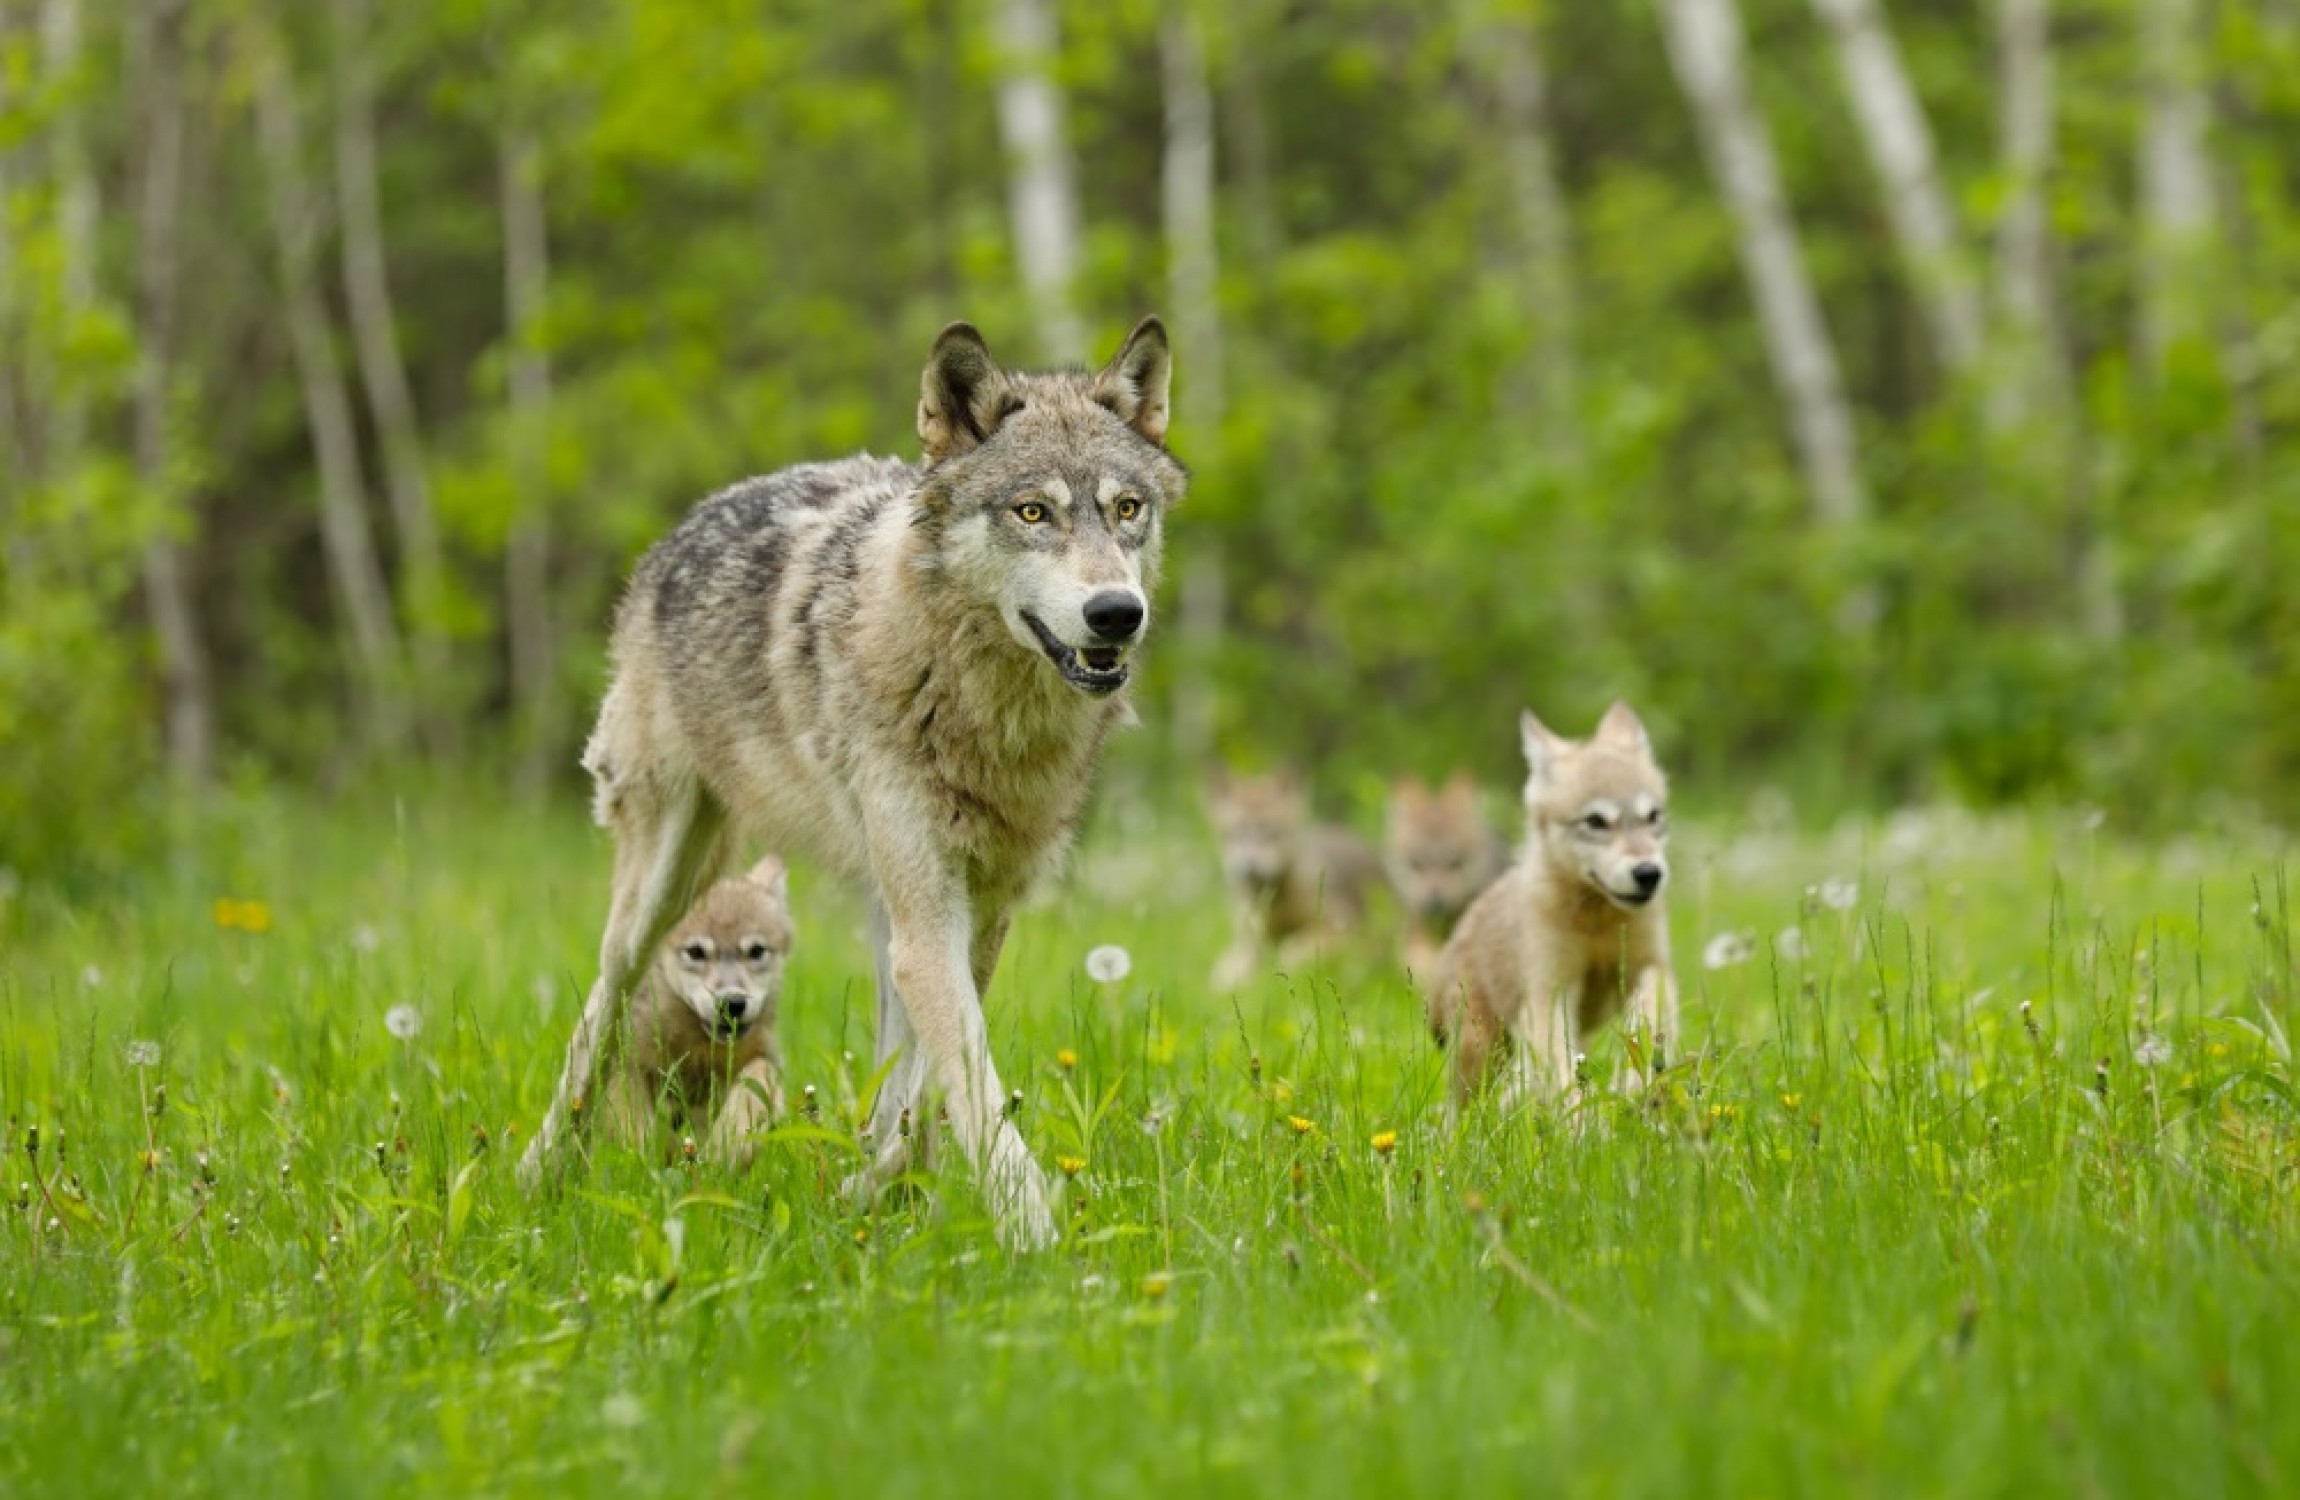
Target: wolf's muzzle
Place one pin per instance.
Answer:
(1098, 670)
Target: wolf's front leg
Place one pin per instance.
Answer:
(931, 949)
(1541, 1034)
(754, 1100)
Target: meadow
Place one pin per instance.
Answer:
(1982, 1182)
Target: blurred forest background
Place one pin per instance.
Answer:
(1894, 402)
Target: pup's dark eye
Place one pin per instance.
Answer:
(1031, 512)
(696, 953)
(1655, 817)
(1128, 507)
(756, 951)
(1596, 822)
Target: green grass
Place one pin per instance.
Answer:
(1916, 1222)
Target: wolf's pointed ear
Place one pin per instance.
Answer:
(1461, 790)
(1135, 381)
(1410, 790)
(772, 876)
(1621, 727)
(1539, 744)
(962, 396)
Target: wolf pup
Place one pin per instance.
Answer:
(1295, 885)
(1574, 928)
(1439, 853)
(703, 1019)
(908, 671)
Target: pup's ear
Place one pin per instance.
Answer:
(1621, 727)
(1540, 746)
(1410, 791)
(962, 396)
(1135, 381)
(1460, 790)
(772, 876)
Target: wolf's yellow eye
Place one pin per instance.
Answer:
(1128, 507)
(1031, 511)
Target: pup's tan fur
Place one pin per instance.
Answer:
(1296, 886)
(1574, 928)
(703, 1043)
(907, 670)
(1439, 852)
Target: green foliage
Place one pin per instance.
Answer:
(758, 220)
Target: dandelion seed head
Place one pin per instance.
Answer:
(1839, 894)
(1726, 949)
(1108, 964)
(92, 977)
(142, 1053)
(2152, 1051)
(403, 1021)
(622, 1410)
(365, 939)
(1789, 942)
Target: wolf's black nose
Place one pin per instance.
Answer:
(1114, 614)
(731, 1007)
(1648, 878)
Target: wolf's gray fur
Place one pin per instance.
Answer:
(908, 671)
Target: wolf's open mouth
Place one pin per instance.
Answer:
(1096, 669)
(1632, 899)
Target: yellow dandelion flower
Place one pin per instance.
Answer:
(1157, 1284)
(1385, 1141)
(1791, 1101)
(1071, 1165)
(1301, 1126)
(1066, 1058)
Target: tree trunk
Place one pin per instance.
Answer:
(354, 572)
(1253, 157)
(367, 288)
(1042, 179)
(530, 637)
(2176, 209)
(188, 682)
(1900, 146)
(76, 229)
(2027, 380)
(1705, 48)
(1193, 297)
(1537, 203)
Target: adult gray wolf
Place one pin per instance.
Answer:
(1574, 927)
(907, 671)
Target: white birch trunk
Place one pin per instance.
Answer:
(2026, 382)
(2176, 207)
(354, 572)
(60, 57)
(1899, 140)
(1705, 48)
(1193, 268)
(187, 679)
(528, 629)
(1042, 179)
(1537, 205)
(375, 340)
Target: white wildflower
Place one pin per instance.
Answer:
(1789, 942)
(2152, 1051)
(1840, 894)
(1108, 964)
(365, 938)
(403, 1021)
(92, 977)
(1727, 949)
(622, 1410)
(143, 1054)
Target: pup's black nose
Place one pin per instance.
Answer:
(731, 1007)
(1114, 614)
(1648, 878)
